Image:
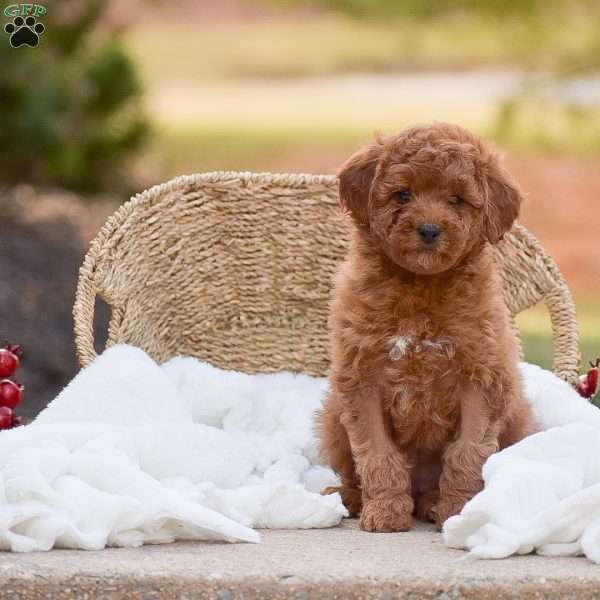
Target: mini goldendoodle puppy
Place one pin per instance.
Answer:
(424, 379)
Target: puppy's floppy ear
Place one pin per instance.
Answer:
(503, 202)
(356, 176)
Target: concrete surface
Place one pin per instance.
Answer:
(342, 562)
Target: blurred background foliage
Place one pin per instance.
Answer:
(123, 94)
(523, 9)
(70, 108)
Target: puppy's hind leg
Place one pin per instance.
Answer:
(425, 505)
(520, 425)
(335, 449)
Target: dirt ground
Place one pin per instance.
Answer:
(43, 237)
(563, 211)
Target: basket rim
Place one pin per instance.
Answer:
(292, 180)
(289, 179)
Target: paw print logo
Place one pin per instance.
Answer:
(24, 32)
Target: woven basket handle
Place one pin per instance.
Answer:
(565, 336)
(83, 312)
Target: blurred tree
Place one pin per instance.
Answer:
(70, 109)
(558, 107)
(558, 110)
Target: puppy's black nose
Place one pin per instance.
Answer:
(429, 233)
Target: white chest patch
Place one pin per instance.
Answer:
(399, 346)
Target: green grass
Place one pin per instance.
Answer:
(235, 87)
(536, 333)
(193, 149)
(532, 124)
(205, 146)
(329, 44)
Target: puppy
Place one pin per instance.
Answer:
(424, 385)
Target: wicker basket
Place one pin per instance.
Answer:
(236, 269)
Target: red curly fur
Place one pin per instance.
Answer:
(424, 379)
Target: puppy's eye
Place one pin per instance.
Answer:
(403, 195)
(456, 200)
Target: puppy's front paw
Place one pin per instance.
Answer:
(446, 509)
(387, 514)
(351, 497)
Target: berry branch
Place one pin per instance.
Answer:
(588, 383)
(11, 391)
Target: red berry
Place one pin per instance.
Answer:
(9, 362)
(6, 417)
(588, 383)
(10, 393)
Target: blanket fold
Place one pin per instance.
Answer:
(132, 453)
(542, 494)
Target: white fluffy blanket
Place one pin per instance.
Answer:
(542, 494)
(131, 453)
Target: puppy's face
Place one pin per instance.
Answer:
(429, 196)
